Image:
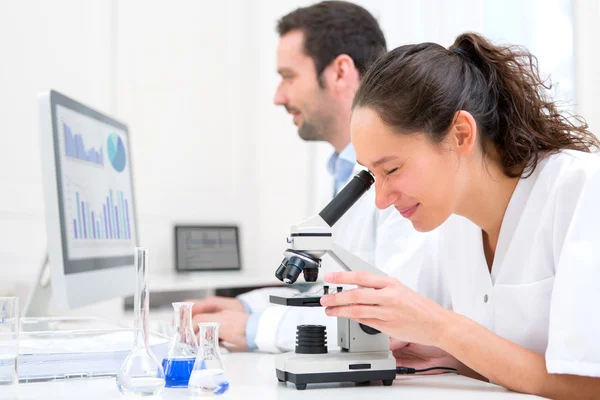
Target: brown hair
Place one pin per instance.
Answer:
(420, 88)
(332, 28)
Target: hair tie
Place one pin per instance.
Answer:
(459, 52)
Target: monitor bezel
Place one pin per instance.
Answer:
(115, 277)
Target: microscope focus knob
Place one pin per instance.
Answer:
(368, 330)
(311, 339)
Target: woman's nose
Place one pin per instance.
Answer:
(383, 197)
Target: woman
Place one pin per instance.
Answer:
(467, 140)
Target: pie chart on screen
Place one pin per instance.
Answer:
(116, 152)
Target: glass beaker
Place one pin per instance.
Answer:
(141, 373)
(9, 340)
(183, 347)
(208, 376)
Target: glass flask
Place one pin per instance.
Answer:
(183, 348)
(208, 376)
(141, 373)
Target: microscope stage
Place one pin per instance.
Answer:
(297, 301)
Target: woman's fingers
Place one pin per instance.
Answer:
(352, 296)
(358, 312)
(359, 278)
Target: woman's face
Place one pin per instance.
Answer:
(421, 179)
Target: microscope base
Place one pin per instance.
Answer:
(335, 366)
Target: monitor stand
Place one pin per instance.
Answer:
(40, 295)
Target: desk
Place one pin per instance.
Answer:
(252, 375)
(160, 282)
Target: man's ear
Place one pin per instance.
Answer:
(463, 133)
(341, 73)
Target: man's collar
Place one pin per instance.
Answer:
(340, 163)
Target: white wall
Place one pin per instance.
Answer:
(195, 81)
(63, 44)
(587, 38)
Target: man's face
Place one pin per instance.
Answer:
(299, 91)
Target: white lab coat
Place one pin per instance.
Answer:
(383, 238)
(542, 292)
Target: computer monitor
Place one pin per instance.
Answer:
(89, 202)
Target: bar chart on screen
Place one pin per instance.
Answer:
(105, 218)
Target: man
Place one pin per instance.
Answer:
(323, 51)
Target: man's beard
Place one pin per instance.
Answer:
(309, 132)
(318, 128)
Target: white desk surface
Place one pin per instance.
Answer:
(252, 375)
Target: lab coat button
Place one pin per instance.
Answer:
(485, 298)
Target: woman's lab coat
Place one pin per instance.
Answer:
(383, 238)
(543, 290)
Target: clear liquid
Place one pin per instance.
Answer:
(178, 371)
(8, 370)
(142, 386)
(208, 382)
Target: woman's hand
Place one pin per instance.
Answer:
(391, 308)
(418, 356)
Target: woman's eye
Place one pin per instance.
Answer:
(391, 171)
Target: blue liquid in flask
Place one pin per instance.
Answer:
(178, 371)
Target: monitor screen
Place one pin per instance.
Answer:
(95, 192)
(206, 248)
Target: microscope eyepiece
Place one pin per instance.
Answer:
(347, 197)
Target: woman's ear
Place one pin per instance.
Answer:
(463, 133)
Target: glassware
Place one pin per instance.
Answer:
(141, 373)
(208, 376)
(183, 348)
(9, 340)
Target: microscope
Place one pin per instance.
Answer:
(364, 354)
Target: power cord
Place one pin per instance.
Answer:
(410, 371)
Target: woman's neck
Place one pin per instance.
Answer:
(487, 196)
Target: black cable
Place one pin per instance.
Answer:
(410, 371)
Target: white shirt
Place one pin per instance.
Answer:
(543, 290)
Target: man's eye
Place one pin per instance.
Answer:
(391, 171)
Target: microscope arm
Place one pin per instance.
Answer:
(350, 262)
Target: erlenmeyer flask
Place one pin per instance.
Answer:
(183, 348)
(208, 376)
(141, 373)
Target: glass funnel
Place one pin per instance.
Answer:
(183, 347)
(141, 373)
(208, 376)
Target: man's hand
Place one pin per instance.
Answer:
(232, 327)
(215, 304)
